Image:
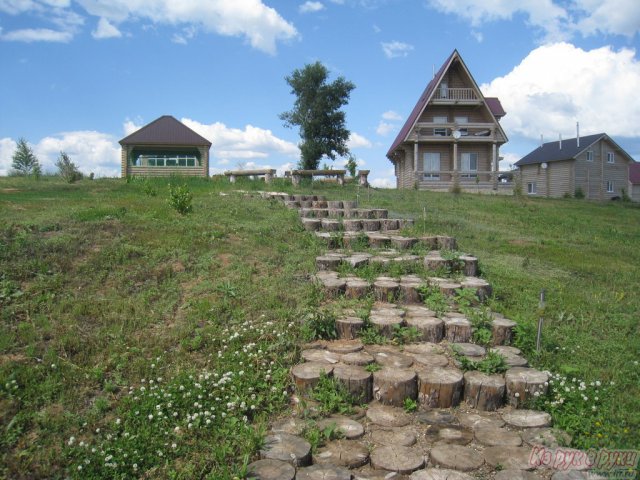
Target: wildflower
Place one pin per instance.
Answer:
(150, 417)
(517, 395)
(71, 441)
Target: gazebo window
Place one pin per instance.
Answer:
(166, 160)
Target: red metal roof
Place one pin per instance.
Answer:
(165, 130)
(495, 106)
(634, 173)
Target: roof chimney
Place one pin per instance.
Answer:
(578, 134)
(541, 140)
(560, 140)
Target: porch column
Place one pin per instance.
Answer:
(456, 176)
(494, 166)
(415, 163)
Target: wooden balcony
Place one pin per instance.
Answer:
(443, 132)
(452, 96)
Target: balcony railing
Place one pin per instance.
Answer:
(464, 176)
(457, 94)
(468, 131)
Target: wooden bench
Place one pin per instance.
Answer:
(363, 180)
(296, 175)
(267, 173)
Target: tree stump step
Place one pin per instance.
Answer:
(343, 453)
(334, 204)
(319, 355)
(388, 416)
(306, 375)
(311, 224)
(352, 225)
(527, 418)
(502, 331)
(357, 288)
(380, 212)
(410, 292)
(349, 327)
(345, 346)
(516, 458)
(386, 325)
(457, 330)
(469, 350)
(360, 358)
(475, 421)
(449, 434)
(393, 360)
(431, 328)
(446, 243)
(358, 259)
(288, 448)
(378, 240)
(388, 224)
(484, 392)
(440, 474)
(549, 437)
(319, 204)
(349, 204)
(440, 387)
(456, 457)
(385, 290)
(423, 348)
(333, 286)
(328, 262)
(391, 386)
(523, 383)
(404, 437)
(396, 458)
(403, 243)
(428, 360)
(320, 212)
(437, 417)
(482, 287)
(290, 425)
(496, 437)
(356, 380)
(346, 426)
(323, 472)
(435, 261)
(268, 469)
(470, 268)
(370, 225)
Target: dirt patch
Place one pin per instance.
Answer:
(178, 267)
(12, 357)
(9, 190)
(225, 259)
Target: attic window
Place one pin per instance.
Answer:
(589, 155)
(611, 158)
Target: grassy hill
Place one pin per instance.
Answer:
(134, 339)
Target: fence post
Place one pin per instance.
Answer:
(540, 320)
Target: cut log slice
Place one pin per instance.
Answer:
(343, 453)
(306, 375)
(548, 437)
(347, 427)
(334, 204)
(352, 225)
(403, 243)
(404, 437)
(306, 203)
(384, 308)
(391, 386)
(385, 290)
(311, 224)
(512, 474)
(358, 260)
(320, 213)
(430, 329)
(319, 204)
(357, 358)
(396, 458)
(329, 262)
(437, 417)
(357, 288)
(318, 355)
(335, 213)
(386, 324)
(388, 416)
(527, 418)
(290, 425)
(380, 260)
(447, 243)
(470, 350)
(423, 348)
(475, 421)
(440, 474)
(503, 350)
(496, 437)
(268, 469)
(378, 240)
(516, 458)
(430, 242)
(345, 346)
(523, 383)
(456, 457)
(378, 475)
(440, 387)
(389, 224)
(449, 288)
(357, 381)
(393, 360)
(434, 261)
(470, 268)
(482, 287)
(449, 434)
(323, 472)
(349, 204)
(429, 360)
(457, 330)
(287, 448)
(331, 225)
(484, 392)
(410, 292)
(334, 287)
(406, 222)
(365, 213)
(502, 331)
(307, 213)
(370, 225)
(349, 327)
(514, 360)
(380, 212)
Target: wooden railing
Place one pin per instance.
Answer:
(469, 131)
(455, 94)
(482, 176)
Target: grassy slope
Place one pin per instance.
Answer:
(100, 279)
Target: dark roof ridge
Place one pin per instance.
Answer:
(165, 130)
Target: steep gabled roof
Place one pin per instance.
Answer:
(492, 103)
(551, 151)
(634, 173)
(165, 130)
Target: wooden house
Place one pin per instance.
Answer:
(165, 147)
(634, 181)
(594, 165)
(453, 135)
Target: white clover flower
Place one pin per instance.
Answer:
(150, 417)
(517, 395)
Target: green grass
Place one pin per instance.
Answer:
(104, 285)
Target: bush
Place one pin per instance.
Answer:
(180, 199)
(579, 193)
(67, 169)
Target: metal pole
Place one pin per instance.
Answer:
(424, 220)
(540, 320)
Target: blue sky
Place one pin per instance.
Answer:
(80, 75)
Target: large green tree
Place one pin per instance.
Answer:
(317, 111)
(24, 160)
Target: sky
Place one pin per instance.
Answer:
(79, 75)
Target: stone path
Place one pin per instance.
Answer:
(465, 425)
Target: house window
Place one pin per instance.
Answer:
(589, 155)
(609, 186)
(431, 166)
(444, 90)
(469, 165)
(531, 188)
(611, 157)
(440, 131)
(462, 121)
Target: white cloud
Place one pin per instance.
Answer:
(358, 141)
(260, 25)
(477, 35)
(105, 30)
(613, 17)
(508, 159)
(310, 7)
(7, 149)
(383, 129)
(396, 49)
(559, 84)
(391, 115)
(29, 35)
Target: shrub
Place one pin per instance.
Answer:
(579, 193)
(180, 199)
(67, 169)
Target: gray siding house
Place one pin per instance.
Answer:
(634, 182)
(594, 164)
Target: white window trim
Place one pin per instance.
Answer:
(611, 157)
(440, 131)
(469, 172)
(461, 121)
(610, 188)
(431, 176)
(531, 188)
(589, 155)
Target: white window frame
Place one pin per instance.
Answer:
(531, 188)
(428, 159)
(468, 169)
(611, 157)
(462, 120)
(444, 90)
(610, 188)
(440, 131)
(589, 155)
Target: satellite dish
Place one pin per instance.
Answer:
(456, 134)
(544, 165)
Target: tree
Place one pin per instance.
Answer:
(317, 111)
(351, 165)
(67, 169)
(24, 160)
